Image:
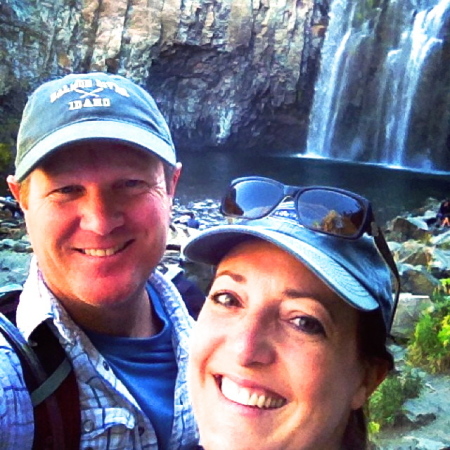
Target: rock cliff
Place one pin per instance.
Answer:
(226, 73)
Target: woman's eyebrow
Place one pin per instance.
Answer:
(233, 275)
(298, 293)
(293, 293)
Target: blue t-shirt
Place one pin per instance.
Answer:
(148, 368)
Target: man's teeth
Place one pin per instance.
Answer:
(101, 252)
(245, 396)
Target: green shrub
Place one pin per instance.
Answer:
(6, 157)
(430, 345)
(385, 404)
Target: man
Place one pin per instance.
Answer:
(96, 173)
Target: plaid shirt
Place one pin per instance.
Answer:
(110, 416)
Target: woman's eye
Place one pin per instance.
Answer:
(225, 299)
(309, 325)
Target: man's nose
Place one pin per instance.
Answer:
(100, 213)
(254, 342)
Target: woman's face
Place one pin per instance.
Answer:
(274, 359)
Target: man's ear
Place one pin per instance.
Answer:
(175, 177)
(375, 371)
(14, 186)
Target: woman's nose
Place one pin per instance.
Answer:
(254, 343)
(101, 214)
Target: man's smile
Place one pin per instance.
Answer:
(102, 252)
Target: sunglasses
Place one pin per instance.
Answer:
(332, 211)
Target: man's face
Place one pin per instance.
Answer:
(97, 215)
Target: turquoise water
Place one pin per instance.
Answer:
(391, 190)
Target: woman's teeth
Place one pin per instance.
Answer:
(248, 397)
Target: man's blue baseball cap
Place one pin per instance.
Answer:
(353, 269)
(92, 106)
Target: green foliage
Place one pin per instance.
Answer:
(385, 404)
(6, 158)
(445, 283)
(430, 346)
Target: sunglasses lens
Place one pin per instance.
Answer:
(331, 212)
(251, 199)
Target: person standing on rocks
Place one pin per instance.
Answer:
(443, 215)
(95, 176)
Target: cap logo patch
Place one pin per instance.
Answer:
(89, 91)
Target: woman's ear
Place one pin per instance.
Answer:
(374, 372)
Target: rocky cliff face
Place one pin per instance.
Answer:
(226, 73)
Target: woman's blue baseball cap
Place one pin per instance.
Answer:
(92, 106)
(354, 269)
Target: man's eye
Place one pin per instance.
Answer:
(133, 184)
(309, 325)
(68, 190)
(225, 299)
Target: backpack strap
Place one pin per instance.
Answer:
(52, 385)
(61, 419)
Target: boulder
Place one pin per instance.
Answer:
(413, 253)
(407, 314)
(439, 265)
(402, 229)
(417, 280)
(442, 239)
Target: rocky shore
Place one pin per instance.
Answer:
(422, 253)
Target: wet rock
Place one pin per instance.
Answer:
(419, 413)
(20, 246)
(13, 267)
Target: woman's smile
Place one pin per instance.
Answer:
(249, 396)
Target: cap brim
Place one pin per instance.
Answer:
(91, 130)
(212, 245)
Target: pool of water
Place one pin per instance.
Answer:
(392, 191)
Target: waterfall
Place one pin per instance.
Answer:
(382, 94)
(330, 82)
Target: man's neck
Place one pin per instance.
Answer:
(134, 318)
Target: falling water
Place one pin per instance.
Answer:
(382, 93)
(330, 83)
(409, 61)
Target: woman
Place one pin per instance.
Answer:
(291, 341)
